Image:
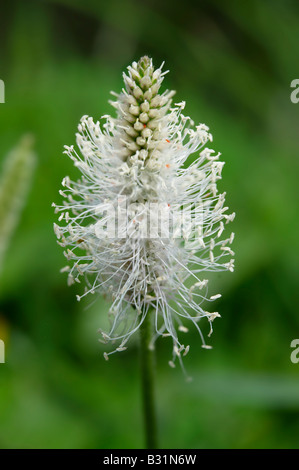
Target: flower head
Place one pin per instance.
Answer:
(15, 182)
(140, 225)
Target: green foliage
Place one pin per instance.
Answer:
(232, 62)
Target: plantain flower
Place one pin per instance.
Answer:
(15, 182)
(144, 223)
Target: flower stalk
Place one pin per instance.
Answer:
(147, 360)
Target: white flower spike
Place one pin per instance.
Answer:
(141, 226)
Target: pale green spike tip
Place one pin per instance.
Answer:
(15, 181)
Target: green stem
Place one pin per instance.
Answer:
(147, 377)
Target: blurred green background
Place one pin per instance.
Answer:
(232, 62)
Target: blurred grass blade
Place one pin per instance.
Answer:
(15, 182)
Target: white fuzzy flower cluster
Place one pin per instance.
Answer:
(141, 225)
